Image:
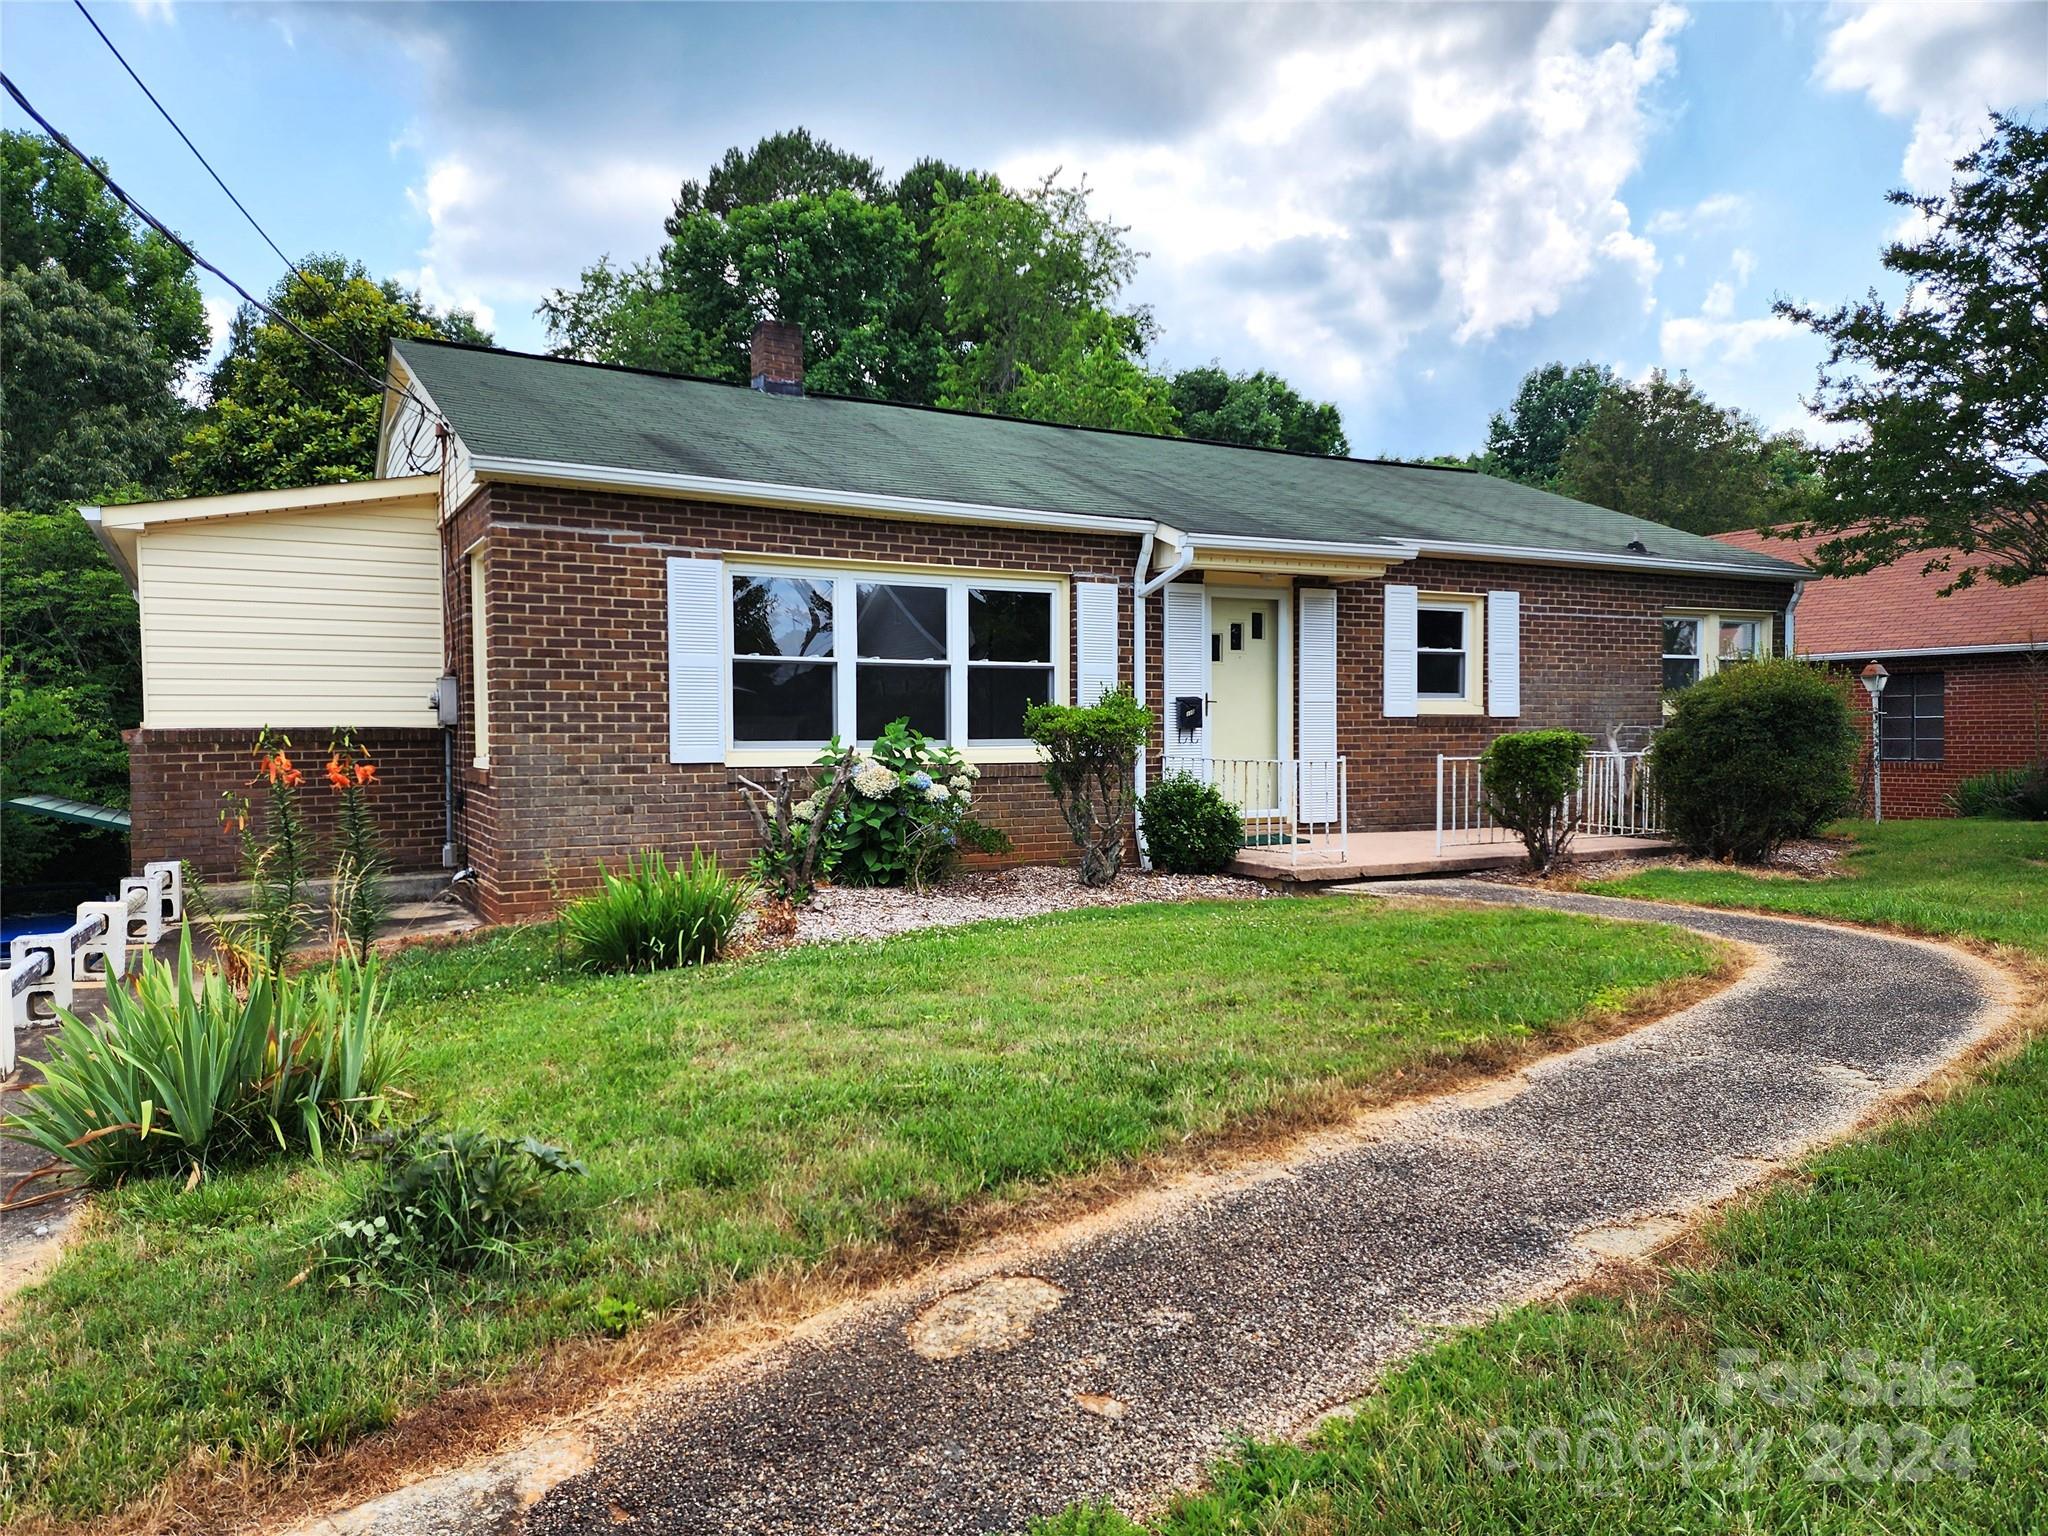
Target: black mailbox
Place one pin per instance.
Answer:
(1187, 716)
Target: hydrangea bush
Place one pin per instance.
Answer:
(909, 815)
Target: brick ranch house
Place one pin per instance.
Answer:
(1968, 690)
(637, 586)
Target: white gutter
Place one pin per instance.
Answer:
(556, 472)
(2019, 648)
(1381, 549)
(1142, 587)
(1525, 555)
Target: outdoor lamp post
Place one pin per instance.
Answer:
(1874, 677)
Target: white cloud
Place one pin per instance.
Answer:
(1455, 171)
(1742, 262)
(1720, 208)
(1943, 66)
(153, 10)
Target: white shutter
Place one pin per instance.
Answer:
(1094, 639)
(1503, 653)
(1399, 670)
(1187, 664)
(1316, 690)
(697, 602)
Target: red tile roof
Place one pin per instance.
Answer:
(1894, 611)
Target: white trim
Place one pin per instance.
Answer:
(1184, 664)
(1316, 671)
(1519, 555)
(556, 472)
(2021, 648)
(1095, 640)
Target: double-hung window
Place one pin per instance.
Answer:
(818, 655)
(1447, 665)
(1696, 645)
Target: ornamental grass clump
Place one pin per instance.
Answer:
(653, 918)
(185, 1071)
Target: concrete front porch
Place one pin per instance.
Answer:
(1384, 855)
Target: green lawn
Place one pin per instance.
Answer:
(764, 1114)
(1929, 1237)
(1954, 879)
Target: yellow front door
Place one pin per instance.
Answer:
(1244, 687)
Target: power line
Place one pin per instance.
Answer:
(382, 384)
(180, 132)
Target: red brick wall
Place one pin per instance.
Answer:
(176, 780)
(579, 775)
(1591, 650)
(1995, 715)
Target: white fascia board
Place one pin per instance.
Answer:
(1521, 555)
(2014, 648)
(1373, 549)
(119, 551)
(298, 498)
(555, 472)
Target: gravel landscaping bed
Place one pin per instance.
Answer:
(1806, 859)
(846, 912)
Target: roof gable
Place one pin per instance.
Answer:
(513, 406)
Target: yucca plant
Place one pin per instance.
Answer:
(184, 1070)
(652, 917)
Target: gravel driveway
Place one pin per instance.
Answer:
(1118, 1360)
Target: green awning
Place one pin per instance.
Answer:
(57, 806)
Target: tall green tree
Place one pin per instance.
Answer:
(1020, 274)
(1553, 404)
(780, 167)
(1096, 382)
(100, 321)
(1661, 450)
(1949, 390)
(281, 411)
(1255, 410)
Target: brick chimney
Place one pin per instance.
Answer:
(778, 358)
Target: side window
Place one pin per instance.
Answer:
(1911, 721)
(1681, 653)
(1442, 651)
(1009, 660)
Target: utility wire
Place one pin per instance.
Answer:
(193, 256)
(165, 113)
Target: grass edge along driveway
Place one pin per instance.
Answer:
(761, 1116)
(1885, 1317)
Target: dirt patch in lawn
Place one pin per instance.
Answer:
(577, 1387)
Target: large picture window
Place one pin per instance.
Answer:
(1910, 718)
(825, 654)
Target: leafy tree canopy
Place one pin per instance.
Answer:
(55, 213)
(1950, 389)
(1660, 450)
(1254, 410)
(281, 411)
(782, 166)
(1094, 382)
(1553, 405)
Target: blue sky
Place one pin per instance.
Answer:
(1400, 208)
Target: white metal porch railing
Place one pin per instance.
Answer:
(41, 968)
(1290, 805)
(1614, 799)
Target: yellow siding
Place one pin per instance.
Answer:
(301, 619)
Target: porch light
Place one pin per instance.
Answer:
(1874, 677)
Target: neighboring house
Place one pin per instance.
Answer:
(1968, 680)
(641, 584)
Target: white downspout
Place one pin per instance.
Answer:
(1143, 587)
(1791, 619)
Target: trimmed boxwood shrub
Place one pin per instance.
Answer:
(1189, 827)
(1526, 776)
(1753, 756)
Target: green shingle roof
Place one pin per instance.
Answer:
(516, 406)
